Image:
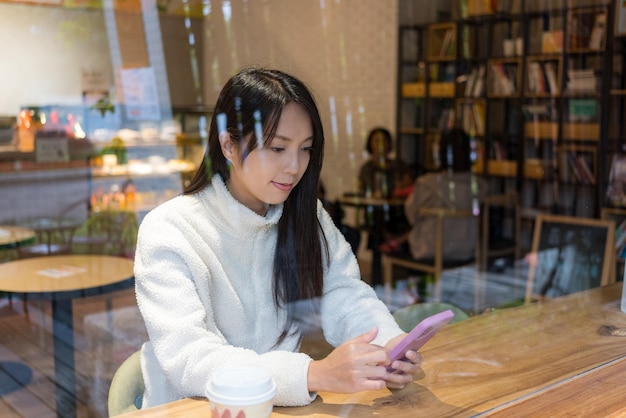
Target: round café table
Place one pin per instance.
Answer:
(15, 236)
(61, 279)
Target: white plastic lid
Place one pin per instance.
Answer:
(241, 386)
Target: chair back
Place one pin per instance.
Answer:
(127, 386)
(436, 265)
(569, 254)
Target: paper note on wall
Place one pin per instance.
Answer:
(140, 93)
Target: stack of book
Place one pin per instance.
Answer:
(582, 81)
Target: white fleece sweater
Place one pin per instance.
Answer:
(203, 272)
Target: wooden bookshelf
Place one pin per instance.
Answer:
(534, 112)
(441, 42)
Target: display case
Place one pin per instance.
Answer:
(138, 170)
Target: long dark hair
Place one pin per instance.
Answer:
(298, 268)
(455, 150)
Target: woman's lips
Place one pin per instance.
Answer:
(285, 187)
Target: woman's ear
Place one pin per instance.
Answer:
(226, 144)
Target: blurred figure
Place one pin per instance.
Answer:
(380, 176)
(453, 187)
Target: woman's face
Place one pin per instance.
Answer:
(379, 146)
(268, 174)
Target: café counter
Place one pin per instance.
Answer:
(31, 190)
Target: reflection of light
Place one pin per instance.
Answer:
(227, 10)
(258, 128)
(78, 131)
(333, 119)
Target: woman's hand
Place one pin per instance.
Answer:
(353, 366)
(405, 370)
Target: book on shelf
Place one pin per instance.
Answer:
(587, 30)
(582, 80)
(472, 118)
(582, 110)
(509, 6)
(536, 82)
(469, 84)
(503, 79)
(448, 44)
(551, 77)
(478, 111)
(552, 42)
(585, 166)
(580, 167)
(598, 31)
(475, 84)
(479, 86)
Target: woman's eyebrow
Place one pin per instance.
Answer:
(286, 138)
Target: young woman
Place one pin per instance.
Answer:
(219, 270)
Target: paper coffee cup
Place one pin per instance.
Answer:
(241, 392)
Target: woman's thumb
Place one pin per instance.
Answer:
(368, 337)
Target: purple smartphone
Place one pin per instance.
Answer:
(419, 335)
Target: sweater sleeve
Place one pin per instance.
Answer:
(186, 344)
(349, 306)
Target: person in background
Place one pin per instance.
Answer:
(453, 187)
(383, 177)
(220, 270)
(380, 176)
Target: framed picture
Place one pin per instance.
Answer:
(568, 255)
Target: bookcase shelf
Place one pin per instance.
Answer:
(539, 86)
(441, 42)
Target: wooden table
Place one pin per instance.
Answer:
(564, 354)
(380, 208)
(61, 279)
(15, 236)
